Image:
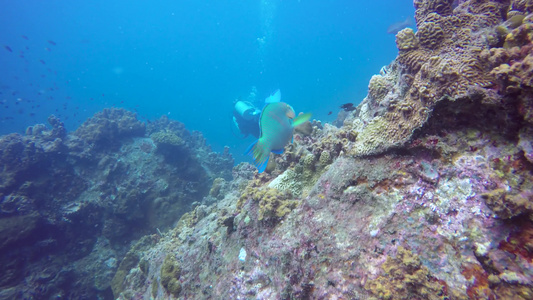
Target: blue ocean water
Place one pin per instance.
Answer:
(188, 59)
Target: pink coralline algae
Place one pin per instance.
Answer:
(426, 190)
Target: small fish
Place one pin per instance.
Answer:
(350, 108)
(24, 37)
(8, 48)
(42, 61)
(51, 42)
(329, 113)
(394, 28)
(346, 106)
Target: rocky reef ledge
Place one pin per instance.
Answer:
(424, 192)
(71, 203)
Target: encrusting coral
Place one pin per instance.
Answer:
(404, 277)
(170, 275)
(273, 203)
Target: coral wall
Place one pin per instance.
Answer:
(424, 192)
(70, 203)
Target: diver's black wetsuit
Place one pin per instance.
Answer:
(247, 127)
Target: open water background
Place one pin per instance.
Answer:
(188, 59)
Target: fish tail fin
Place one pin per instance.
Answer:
(301, 119)
(260, 154)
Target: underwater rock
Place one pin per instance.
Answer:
(72, 202)
(108, 127)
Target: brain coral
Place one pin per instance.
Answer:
(446, 64)
(430, 34)
(378, 87)
(406, 39)
(425, 7)
(287, 182)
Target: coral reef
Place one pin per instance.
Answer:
(377, 87)
(404, 277)
(439, 61)
(107, 127)
(274, 202)
(170, 275)
(423, 192)
(406, 40)
(73, 201)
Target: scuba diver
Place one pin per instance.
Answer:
(246, 116)
(246, 119)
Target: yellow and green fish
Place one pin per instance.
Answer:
(277, 123)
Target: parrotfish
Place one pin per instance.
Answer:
(277, 122)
